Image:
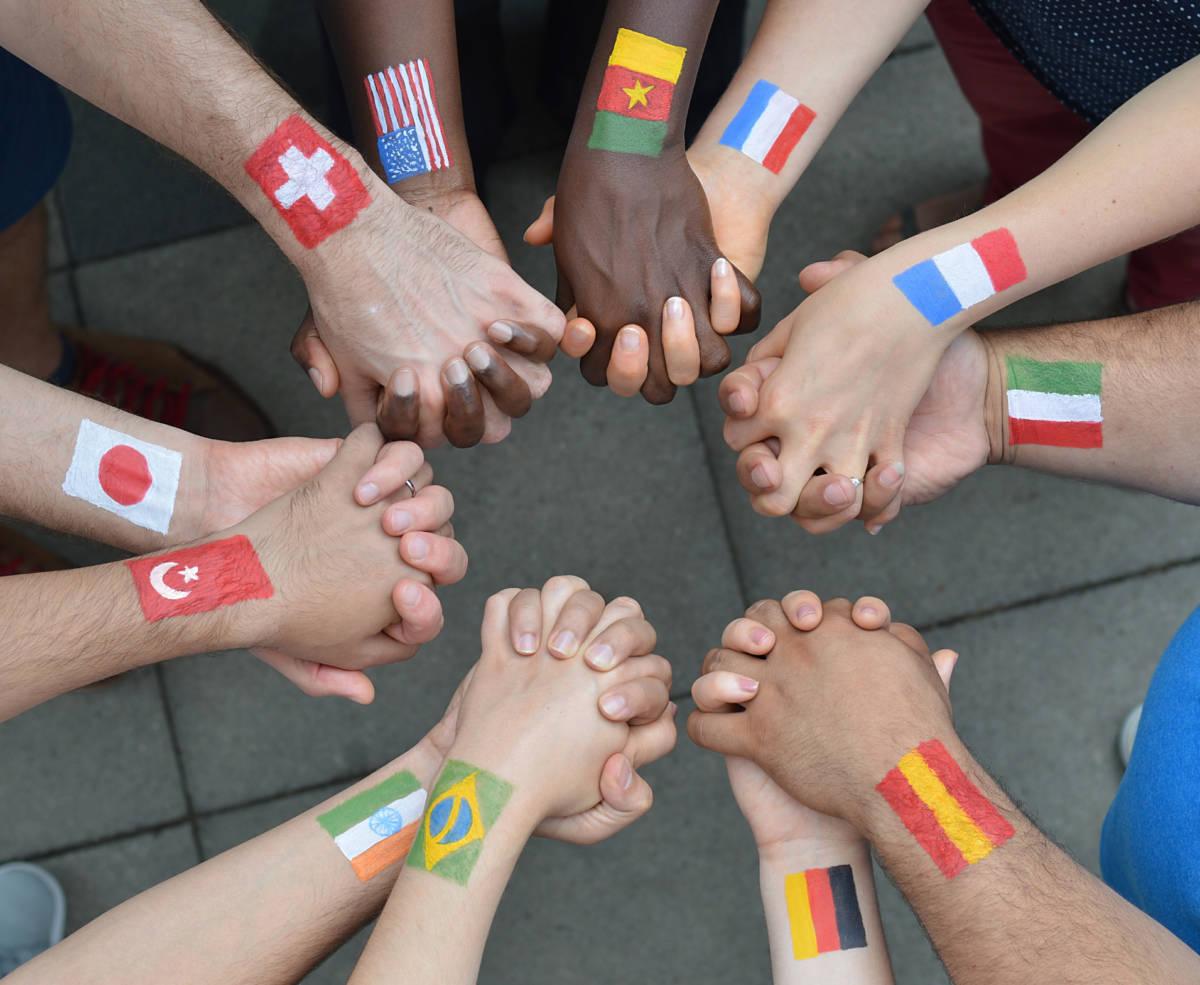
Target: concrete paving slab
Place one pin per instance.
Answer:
(107, 747)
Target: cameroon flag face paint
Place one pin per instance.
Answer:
(947, 814)
(635, 97)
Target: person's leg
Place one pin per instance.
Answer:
(1147, 847)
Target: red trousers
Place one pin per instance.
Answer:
(1025, 129)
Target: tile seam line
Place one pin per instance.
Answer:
(177, 751)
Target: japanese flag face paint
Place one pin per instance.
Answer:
(375, 829)
(199, 579)
(768, 126)
(959, 278)
(134, 479)
(314, 188)
(408, 124)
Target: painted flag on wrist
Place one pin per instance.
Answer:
(947, 814)
(199, 579)
(313, 187)
(465, 803)
(823, 911)
(134, 479)
(959, 278)
(768, 126)
(636, 95)
(408, 124)
(375, 829)
(1054, 403)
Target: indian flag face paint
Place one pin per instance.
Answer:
(465, 803)
(1054, 403)
(947, 814)
(768, 126)
(957, 279)
(375, 829)
(823, 911)
(134, 479)
(636, 94)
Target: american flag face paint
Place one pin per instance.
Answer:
(408, 124)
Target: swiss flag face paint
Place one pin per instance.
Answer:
(314, 188)
(199, 579)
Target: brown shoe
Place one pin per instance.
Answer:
(160, 382)
(21, 556)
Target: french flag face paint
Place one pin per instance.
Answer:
(964, 276)
(768, 126)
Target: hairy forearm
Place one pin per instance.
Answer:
(263, 913)
(1111, 401)
(1004, 905)
(822, 914)
(86, 478)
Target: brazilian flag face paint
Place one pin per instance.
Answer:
(465, 803)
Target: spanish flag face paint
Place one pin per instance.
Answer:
(947, 814)
(636, 94)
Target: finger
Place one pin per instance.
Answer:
(629, 637)
(430, 510)
(420, 612)
(944, 661)
(529, 341)
(725, 304)
(751, 304)
(910, 637)
(882, 486)
(541, 231)
(637, 702)
(648, 743)
(726, 734)
(578, 337)
(574, 623)
(738, 392)
(442, 558)
(629, 362)
(680, 348)
(319, 680)
(723, 690)
(722, 658)
(496, 612)
(525, 621)
(624, 791)
(748, 636)
(826, 502)
(803, 609)
(464, 407)
(314, 358)
(870, 612)
(555, 594)
(396, 462)
(398, 410)
(375, 651)
(508, 390)
(817, 275)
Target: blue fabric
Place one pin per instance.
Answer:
(35, 137)
(1148, 848)
(1096, 54)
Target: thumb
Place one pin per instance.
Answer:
(817, 275)
(358, 452)
(751, 304)
(541, 230)
(314, 358)
(622, 789)
(945, 661)
(293, 461)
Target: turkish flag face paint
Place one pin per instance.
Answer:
(199, 579)
(314, 188)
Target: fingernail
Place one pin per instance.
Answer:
(410, 595)
(629, 339)
(625, 774)
(600, 656)
(758, 475)
(805, 612)
(675, 308)
(478, 358)
(456, 372)
(836, 494)
(527, 643)
(398, 521)
(737, 403)
(722, 268)
(613, 705)
(890, 477)
(869, 611)
(564, 643)
(405, 383)
(418, 548)
(674, 708)
(760, 636)
(747, 685)
(368, 492)
(874, 528)
(500, 332)
(314, 374)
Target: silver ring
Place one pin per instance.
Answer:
(855, 481)
(412, 490)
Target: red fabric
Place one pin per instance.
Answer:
(1025, 129)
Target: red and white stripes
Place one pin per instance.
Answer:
(404, 96)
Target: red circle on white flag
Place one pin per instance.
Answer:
(125, 475)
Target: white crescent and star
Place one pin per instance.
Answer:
(159, 571)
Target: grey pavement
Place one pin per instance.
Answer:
(1059, 595)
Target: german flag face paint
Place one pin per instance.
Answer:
(465, 803)
(823, 911)
(947, 814)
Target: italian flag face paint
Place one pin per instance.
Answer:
(1054, 403)
(375, 829)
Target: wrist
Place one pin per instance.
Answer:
(813, 851)
(995, 409)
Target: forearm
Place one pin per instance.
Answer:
(66, 463)
(1111, 400)
(822, 914)
(263, 913)
(1003, 905)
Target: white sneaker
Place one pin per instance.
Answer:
(1127, 734)
(33, 914)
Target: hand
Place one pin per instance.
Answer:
(660, 247)
(536, 719)
(836, 705)
(369, 333)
